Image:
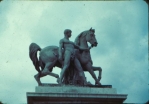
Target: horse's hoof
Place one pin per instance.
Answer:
(98, 83)
(57, 76)
(57, 80)
(99, 78)
(39, 84)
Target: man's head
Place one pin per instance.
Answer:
(67, 32)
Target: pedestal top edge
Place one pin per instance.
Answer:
(57, 85)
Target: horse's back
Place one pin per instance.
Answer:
(50, 48)
(49, 54)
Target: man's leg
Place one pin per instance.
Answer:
(67, 57)
(80, 70)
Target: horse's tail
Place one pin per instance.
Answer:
(33, 48)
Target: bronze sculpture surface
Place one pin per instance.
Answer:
(51, 56)
(69, 56)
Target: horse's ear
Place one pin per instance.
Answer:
(91, 29)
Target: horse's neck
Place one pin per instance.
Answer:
(84, 56)
(83, 43)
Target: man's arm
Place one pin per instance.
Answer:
(82, 49)
(77, 47)
(60, 49)
(69, 42)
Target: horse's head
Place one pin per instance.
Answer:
(90, 37)
(86, 36)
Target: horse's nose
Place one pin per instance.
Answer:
(95, 43)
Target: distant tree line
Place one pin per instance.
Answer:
(2, 102)
(146, 1)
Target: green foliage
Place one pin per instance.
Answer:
(146, 1)
(1, 102)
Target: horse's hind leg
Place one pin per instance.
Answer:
(38, 75)
(45, 72)
(37, 78)
(46, 69)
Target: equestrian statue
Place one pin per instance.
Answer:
(72, 57)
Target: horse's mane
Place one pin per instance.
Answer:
(77, 40)
(82, 34)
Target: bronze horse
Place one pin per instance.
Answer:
(48, 57)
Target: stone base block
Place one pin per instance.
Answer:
(74, 89)
(74, 95)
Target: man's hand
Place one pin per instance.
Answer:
(90, 47)
(85, 49)
(60, 58)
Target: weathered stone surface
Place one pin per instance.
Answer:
(74, 89)
(89, 85)
(75, 95)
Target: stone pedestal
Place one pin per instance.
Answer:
(54, 94)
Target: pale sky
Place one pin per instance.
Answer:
(121, 29)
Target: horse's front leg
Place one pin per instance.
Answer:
(100, 72)
(89, 68)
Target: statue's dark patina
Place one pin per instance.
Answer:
(72, 69)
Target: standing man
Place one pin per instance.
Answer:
(69, 54)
